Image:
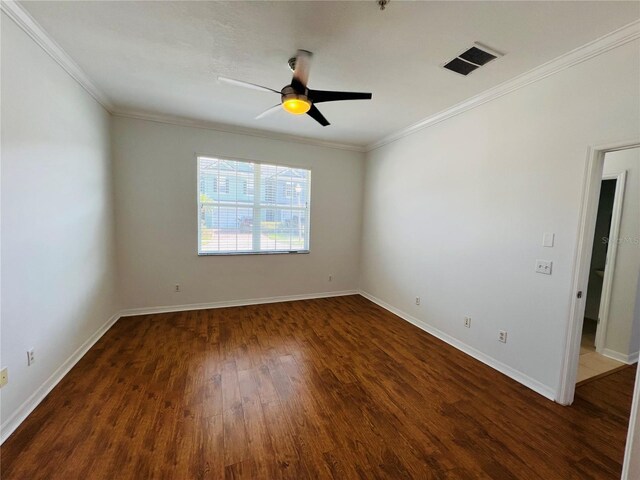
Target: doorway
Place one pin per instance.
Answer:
(629, 235)
(595, 359)
(619, 342)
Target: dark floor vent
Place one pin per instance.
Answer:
(471, 59)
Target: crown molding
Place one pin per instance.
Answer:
(592, 49)
(26, 22)
(31, 27)
(226, 128)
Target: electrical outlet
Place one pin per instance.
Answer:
(177, 288)
(417, 300)
(544, 267)
(331, 278)
(4, 377)
(467, 322)
(31, 357)
(502, 336)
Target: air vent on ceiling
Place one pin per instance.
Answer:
(472, 59)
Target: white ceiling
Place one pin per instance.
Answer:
(162, 58)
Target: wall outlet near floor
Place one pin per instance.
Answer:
(502, 336)
(4, 377)
(177, 288)
(31, 357)
(417, 300)
(467, 322)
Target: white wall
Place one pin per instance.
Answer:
(156, 215)
(58, 261)
(455, 213)
(625, 279)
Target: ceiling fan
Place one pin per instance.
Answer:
(296, 98)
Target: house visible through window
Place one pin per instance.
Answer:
(217, 184)
(223, 185)
(247, 207)
(289, 189)
(270, 190)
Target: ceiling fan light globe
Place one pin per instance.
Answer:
(296, 106)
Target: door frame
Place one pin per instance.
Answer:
(632, 447)
(610, 263)
(581, 265)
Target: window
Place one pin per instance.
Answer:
(246, 207)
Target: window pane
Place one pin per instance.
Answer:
(299, 230)
(208, 181)
(208, 228)
(269, 182)
(244, 182)
(227, 229)
(268, 224)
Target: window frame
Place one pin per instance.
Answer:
(257, 203)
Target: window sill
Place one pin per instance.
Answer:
(218, 254)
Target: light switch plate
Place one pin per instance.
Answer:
(547, 239)
(544, 266)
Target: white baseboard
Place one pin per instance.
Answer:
(516, 375)
(233, 303)
(621, 357)
(23, 411)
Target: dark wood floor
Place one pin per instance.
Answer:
(332, 388)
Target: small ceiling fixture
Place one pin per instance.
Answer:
(383, 3)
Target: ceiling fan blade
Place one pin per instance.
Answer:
(252, 86)
(301, 72)
(318, 96)
(269, 111)
(317, 116)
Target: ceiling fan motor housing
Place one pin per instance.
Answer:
(289, 92)
(295, 102)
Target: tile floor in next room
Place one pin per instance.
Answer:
(592, 364)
